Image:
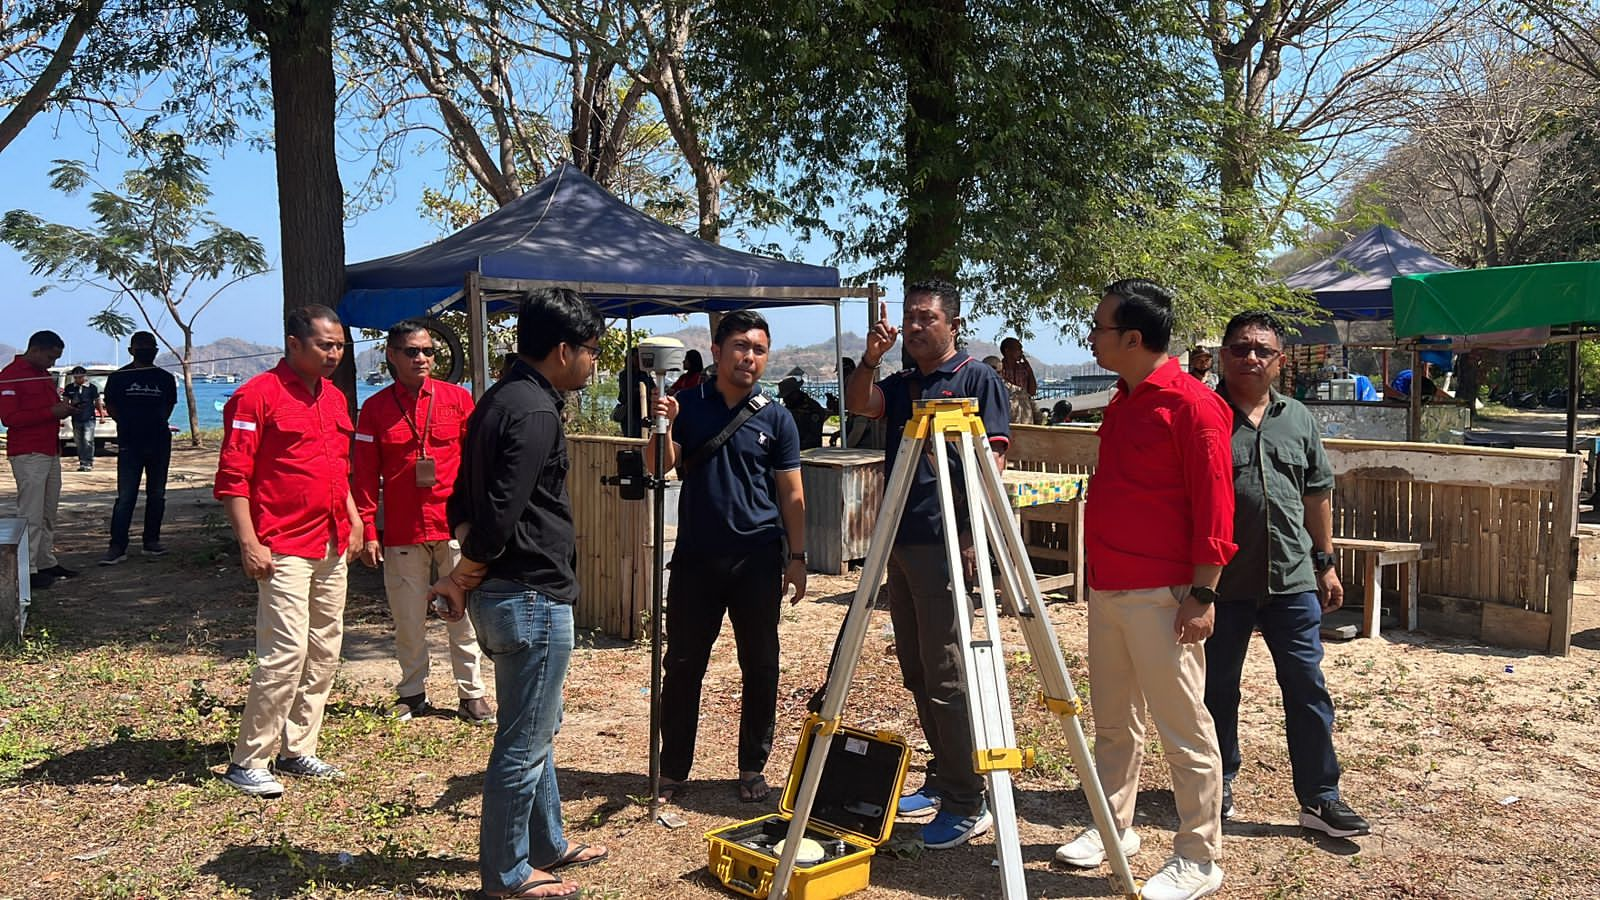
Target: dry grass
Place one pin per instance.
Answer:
(122, 704)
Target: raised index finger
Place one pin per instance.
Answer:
(883, 310)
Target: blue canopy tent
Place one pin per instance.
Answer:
(1353, 284)
(568, 231)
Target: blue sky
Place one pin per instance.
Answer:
(245, 197)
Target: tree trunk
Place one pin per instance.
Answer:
(188, 386)
(60, 62)
(936, 166)
(299, 38)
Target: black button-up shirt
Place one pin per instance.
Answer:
(512, 488)
(1276, 465)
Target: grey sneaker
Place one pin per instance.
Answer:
(407, 708)
(255, 782)
(114, 555)
(477, 711)
(307, 766)
(1183, 879)
(156, 549)
(1088, 849)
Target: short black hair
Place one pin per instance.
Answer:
(1008, 342)
(1146, 307)
(142, 339)
(78, 370)
(46, 340)
(949, 295)
(297, 324)
(1255, 318)
(403, 329)
(739, 322)
(552, 316)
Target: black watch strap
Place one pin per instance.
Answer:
(1322, 561)
(1203, 594)
(798, 557)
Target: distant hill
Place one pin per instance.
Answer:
(6, 352)
(227, 356)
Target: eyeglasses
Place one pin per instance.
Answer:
(415, 352)
(1241, 351)
(593, 349)
(1117, 328)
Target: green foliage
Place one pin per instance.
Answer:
(1070, 133)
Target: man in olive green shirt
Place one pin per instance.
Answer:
(1282, 578)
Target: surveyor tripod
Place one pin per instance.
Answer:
(943, 427)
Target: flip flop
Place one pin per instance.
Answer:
(754, 789)
(526, 891)
(574, 857)
(671, 791)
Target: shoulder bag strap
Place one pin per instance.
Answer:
(705, 451)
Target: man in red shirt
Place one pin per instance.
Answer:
(408, 444)
(1159, 528)
(32, 409)
(284, 481)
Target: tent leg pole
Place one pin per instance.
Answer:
(477, 337)
(838, 363)
(1574, 384)
(1414, 399)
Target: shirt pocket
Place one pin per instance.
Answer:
(397, 435)
(1290, 464)
(554, 477)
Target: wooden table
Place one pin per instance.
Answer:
(1057, 498)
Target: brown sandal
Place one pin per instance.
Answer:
(526, 890)
(754, 789)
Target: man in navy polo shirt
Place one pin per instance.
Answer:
(738, 504)
(921, 604)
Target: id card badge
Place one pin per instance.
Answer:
(426, 476)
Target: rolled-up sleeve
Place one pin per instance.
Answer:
(242, 420)
(1204, 441)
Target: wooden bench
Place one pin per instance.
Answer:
(1372, 557)
(13, 579)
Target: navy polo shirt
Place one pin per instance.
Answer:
(959, 376)
(729, 503)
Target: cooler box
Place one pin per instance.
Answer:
(853, 814)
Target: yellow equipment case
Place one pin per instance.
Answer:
(852, 815)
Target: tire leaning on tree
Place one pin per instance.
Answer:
(453, 367)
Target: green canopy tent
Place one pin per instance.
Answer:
(1506, 298)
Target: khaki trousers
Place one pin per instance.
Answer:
(299, 628)
(38, 477)
(1135, 663)
(408, 574)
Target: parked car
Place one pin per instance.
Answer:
(105, 430)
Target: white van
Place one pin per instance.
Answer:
(105, 430)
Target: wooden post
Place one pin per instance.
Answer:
(477, 337)
(1372, 575)
(1414, 398)
(1563, 572)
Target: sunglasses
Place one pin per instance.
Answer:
(415, 352)
(1240, 351)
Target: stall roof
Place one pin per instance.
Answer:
(570, 230)
(1504, 298)
(1353, 283)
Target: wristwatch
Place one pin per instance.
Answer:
(1322, 561)
(1203, 594)
(798, 557)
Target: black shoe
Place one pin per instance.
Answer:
(58, 571)
(114, 555)
(1227, 799)
(38, 581)
(155, 549)
(1334, 818)
(407, 708)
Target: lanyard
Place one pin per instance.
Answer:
(422, 440)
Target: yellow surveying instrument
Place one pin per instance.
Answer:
(954, 426)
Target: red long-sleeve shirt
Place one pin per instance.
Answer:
(387, 449)
(1161, 498)
(289, 454)
(26, 394)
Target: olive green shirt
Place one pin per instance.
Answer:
(1275, 467)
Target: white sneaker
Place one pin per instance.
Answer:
(1087, 850)
(1183, 879)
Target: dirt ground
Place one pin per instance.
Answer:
(1479, 767)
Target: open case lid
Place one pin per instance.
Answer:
(861, 781)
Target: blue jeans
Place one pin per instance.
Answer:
(529, 637)
(83, 441)
(1291, 625)
(150, 459)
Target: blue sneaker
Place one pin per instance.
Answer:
(918, 807)
(950, 829)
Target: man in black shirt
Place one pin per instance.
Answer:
(140, 397)
(511, 513)
(83, 395)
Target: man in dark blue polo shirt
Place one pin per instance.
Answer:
(739, 504)
(921, 604)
